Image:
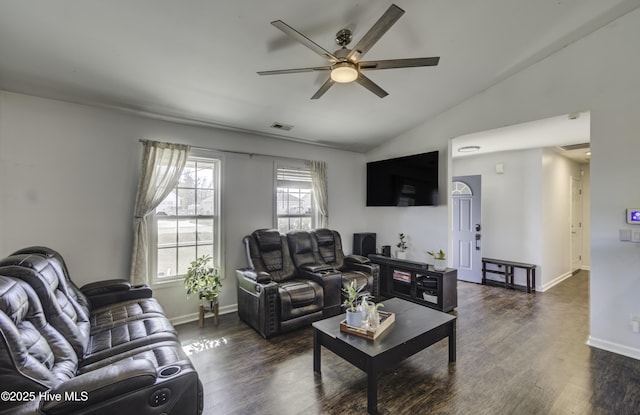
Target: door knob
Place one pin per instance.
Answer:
(478, 227)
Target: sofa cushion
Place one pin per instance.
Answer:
(299, 297)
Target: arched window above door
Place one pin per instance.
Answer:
(461, 189)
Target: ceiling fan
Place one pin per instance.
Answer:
(346, 65)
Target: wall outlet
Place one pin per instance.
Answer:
(635, 323)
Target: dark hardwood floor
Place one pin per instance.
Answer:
(517, 353)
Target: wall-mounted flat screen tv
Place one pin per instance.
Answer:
(403, 181)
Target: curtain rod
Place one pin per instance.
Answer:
(246, 153)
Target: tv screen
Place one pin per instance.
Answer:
(403, 181)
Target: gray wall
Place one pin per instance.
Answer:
(68, 176)
(584, 76)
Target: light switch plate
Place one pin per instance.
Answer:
(625, 234)
(635, 236)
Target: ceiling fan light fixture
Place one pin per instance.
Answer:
(344, 72)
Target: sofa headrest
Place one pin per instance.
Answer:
(13, 299)
(34, 269)
(268, 240)
(300, 242)
(324, 237)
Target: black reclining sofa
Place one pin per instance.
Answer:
(296, 278)
(106, 348)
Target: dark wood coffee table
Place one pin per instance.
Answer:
(416, 328)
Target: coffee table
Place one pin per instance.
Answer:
(416, 327)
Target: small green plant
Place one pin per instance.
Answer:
(402, 245)
(202, 279)
(352, 295)
(437, 255)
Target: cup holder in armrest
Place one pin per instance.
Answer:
(170, 371)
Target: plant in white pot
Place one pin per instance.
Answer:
(402, 247)
(439, 260)
(352, 295)
(205, 281)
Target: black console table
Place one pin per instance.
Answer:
(418, 282)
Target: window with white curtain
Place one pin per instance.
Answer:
(295, 207)
(186, 224)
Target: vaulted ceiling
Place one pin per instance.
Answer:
(197, 60)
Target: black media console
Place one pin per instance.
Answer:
(418, 282)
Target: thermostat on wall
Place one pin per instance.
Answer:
(633, 216)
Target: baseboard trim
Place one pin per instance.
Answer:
(612, 347)
(554, 282)
(187, 318)
(586, 267)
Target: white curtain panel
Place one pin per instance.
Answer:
(320, 190)
(162, 165)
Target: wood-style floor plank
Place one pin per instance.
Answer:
(518, 353)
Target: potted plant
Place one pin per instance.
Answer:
(402, 246)
(352, 296)
(439, 260)
(205, 281)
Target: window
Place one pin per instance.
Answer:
(187, 221)
(295, 208)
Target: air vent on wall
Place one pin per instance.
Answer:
(576, 146)
(281, 126)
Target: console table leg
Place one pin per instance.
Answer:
(533, 271)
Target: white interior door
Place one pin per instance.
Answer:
(467, 243)
(576, 223)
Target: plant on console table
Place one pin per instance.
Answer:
(439, 260)
(352, 296)
(402, 247)
(205, 281)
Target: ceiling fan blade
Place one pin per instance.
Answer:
(305, 40)
(398, 63)
(324, 88)
(374, 34)
(371, 86)
(296, 70)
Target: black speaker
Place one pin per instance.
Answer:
(364, 243)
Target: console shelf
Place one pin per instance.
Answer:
(417, 282)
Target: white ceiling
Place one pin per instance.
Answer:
(197, 60)
(555, 132)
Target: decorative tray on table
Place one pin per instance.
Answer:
(386, 321)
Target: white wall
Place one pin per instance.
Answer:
(586, 216)
(525, 211)
(599, 74)
(68, 176)
(556, 215)
(425, 226)
(511, 206)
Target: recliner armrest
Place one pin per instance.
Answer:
(106, 286)
(314, 268)
(259, 277)
(99, 385)
(357, 259)
(100, 296)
